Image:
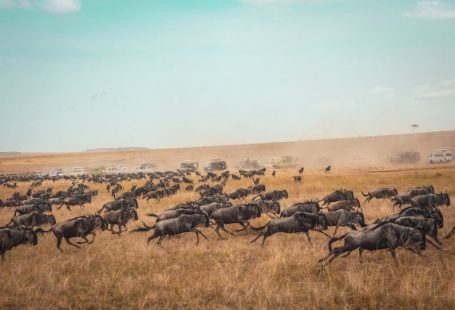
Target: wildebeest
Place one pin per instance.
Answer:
(46, 207)
(216, 198)
(269, 207)
(12, 237)
(380, 193)
(298, 222)
(382, 236)
(235, 215)
(400, 200)
(76, 201)
(120, 218)
(421, 190)
(301, 170)
(212, 207)
(431, 200)
(240, 193)
(235, 177)
(297, 178)
(257, 189)
(119, 204)
(435, 214)
(32, 219)
(273, 173)
(345, 218)
(428, 226)
(273, 195)
(81, 226)
(348, 205)
(328, 169)
(174, 226)
(32, 201)
(173, 213)
(307, 206)
(339, 194)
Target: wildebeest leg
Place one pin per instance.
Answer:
(70, 243)
(308, 236)
(94, 235)
(202, 234)
(394, 256)
(225, 230)
(59, 242)
(161, 239)
(68, 207)
(151, 238)
(83, 237)
(352, 226)
(217, 230)
(347, 253)
(257, 237)
(450, 233)
(360, 254)
(245, 226)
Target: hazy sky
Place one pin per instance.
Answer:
(78, 74)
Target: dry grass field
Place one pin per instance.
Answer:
(124, 272)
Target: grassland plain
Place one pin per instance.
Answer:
(124, 272)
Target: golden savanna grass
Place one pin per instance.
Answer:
(125, 272)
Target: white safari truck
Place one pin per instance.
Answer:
(440, 156)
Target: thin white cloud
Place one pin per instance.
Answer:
(443, 89)
(50, 6)
(434, 9)
(383, 91)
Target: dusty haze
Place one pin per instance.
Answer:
(360, 152)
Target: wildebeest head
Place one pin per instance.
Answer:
(359, 218)
(99, 222)
(276, 207)
(28, 235)
(133, 214)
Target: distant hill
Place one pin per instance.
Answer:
(117, 149)
(10, 153)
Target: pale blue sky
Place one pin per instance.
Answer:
(78, 74)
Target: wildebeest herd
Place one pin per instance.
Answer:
(414, 225)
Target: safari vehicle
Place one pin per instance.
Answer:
(216, 165)
(189, 165)
(284, 162)
(440, 156)
(77, 171)
(410, 157)
(145, 167)
(249, 164)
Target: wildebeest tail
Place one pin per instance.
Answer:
(364, 195)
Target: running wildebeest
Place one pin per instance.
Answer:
(119, 218)
(348, 205)
(81, 226)
(46, 207)
(235, 215)
(382, 236)
(328, 169)
(32, 219)
(12, 237)
(431, 200)
(307, 207)
(273, 195)
(174, 226)
(339, 194)
(380, 193)
(257, 189)
(273, 173)
(297, 178)
(240, 193)
(76, 201)
(298, 222)
(119, 204)
(301, 170)
(345, 218)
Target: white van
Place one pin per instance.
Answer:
(440, 156)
